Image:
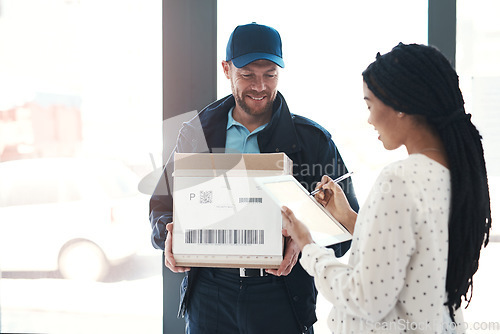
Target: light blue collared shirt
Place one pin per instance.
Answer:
(239, 139)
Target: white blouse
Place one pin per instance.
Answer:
(396, 276)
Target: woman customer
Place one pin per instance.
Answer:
(417, 239)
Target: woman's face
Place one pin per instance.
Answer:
(385, 120)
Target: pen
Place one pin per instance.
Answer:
(337, 180)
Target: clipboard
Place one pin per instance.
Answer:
(286, 190)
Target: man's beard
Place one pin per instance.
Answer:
(246, 108)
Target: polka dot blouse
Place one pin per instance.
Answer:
(396, 276)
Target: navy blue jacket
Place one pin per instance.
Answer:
(305, 142)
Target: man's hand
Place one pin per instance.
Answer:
(289, 259)
(169, 256)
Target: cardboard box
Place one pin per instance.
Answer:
(221, 216)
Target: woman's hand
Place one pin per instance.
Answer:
(334, 200)
(295, 229)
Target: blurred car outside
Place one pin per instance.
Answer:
(77, 216)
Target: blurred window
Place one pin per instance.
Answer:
(79, 80)
(478, 65)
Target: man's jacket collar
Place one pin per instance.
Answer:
(278, 136)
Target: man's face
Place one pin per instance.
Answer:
(254, 86)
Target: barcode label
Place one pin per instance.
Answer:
(224, 237)
(250, 199)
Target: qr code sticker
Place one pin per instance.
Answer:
(205, 196)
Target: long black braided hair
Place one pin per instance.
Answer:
(417, 79)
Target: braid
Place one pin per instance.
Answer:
(470, 215)
(418, 79)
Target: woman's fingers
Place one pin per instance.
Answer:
(288, 214)
(320, 196)
(295, 228)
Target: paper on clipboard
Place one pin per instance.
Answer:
(286, 190)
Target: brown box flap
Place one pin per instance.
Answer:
(232, 161)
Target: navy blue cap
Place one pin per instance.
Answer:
(253, 41)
